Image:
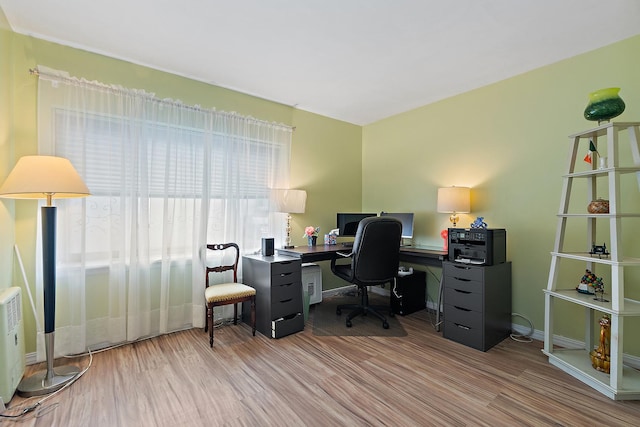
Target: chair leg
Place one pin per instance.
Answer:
(210, 323)
(206, 318)
(253, 315)
(362, 309)
(235, 313)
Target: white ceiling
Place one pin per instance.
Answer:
(354, 60)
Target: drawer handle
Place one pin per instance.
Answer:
(461, 308)
(460, 291)
(286, 300)
(285, 274)
(461, 279)
(461, 267)
(466, 328)
(286, 284)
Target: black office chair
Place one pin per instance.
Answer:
(374, 261)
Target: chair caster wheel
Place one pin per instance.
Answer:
(338, 311)
(348, 323)
(391, 314)
(385, 325)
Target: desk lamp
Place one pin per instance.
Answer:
(46, 177)
(289, 201)
(454, 200)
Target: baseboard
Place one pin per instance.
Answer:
(31, 358)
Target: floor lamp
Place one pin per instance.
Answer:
(289, 201)
(46, 177)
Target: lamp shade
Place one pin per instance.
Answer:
(40, 177)
(289, 201)
(454, 199)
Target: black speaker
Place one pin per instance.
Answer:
(267, 246)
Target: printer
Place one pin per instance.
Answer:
(480, 246)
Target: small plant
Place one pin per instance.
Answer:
(311, 231)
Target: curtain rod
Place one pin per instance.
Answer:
(37, 72)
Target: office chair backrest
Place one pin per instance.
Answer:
(376, 250)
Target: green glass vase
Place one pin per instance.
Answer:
(604, 104)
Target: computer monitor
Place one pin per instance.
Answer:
(348, 222)
(407, 222)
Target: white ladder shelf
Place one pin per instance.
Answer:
(622, 382)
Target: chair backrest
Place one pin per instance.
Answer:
(376, 250)
(222, 268)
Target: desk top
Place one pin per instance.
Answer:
(423, 255)
(314, 253)
(418, 254)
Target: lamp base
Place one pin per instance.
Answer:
(38, 384)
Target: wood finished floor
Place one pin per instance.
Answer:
(304, 380)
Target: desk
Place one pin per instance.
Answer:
(427, 256)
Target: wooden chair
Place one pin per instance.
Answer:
(227, 293)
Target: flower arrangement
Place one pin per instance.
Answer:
(311, 231)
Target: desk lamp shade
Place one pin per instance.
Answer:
(46, 177)
(289, 201)
(454, 200)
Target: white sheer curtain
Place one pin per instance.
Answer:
(165, 179)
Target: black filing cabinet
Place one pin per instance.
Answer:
(477, 303)
(277, 280)
(409, 293)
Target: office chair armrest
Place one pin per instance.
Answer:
(345, 255)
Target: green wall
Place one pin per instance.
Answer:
(508, 142)
(331, 184)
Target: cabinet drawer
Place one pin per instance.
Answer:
(288, 325)
(285, 290)
(285, 278)
(463, 316)
(464, 285)
(287, 304)
(469, 336)
(285, 267)
(462, 298)
(464, 272)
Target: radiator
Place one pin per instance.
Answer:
(12, 357)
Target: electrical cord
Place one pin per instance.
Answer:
(42, 410)
(434, 323)
(526, 337)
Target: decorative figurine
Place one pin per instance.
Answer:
(588, 283)
(600, 356)
(601, 251)
(598, 289)
(479, 223)
(445, 235)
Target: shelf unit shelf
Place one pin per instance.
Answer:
(577, 364)
(586, 257)
(622, 382)
(631, 307)
(602, 172)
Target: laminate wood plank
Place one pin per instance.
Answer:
(421, 379)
